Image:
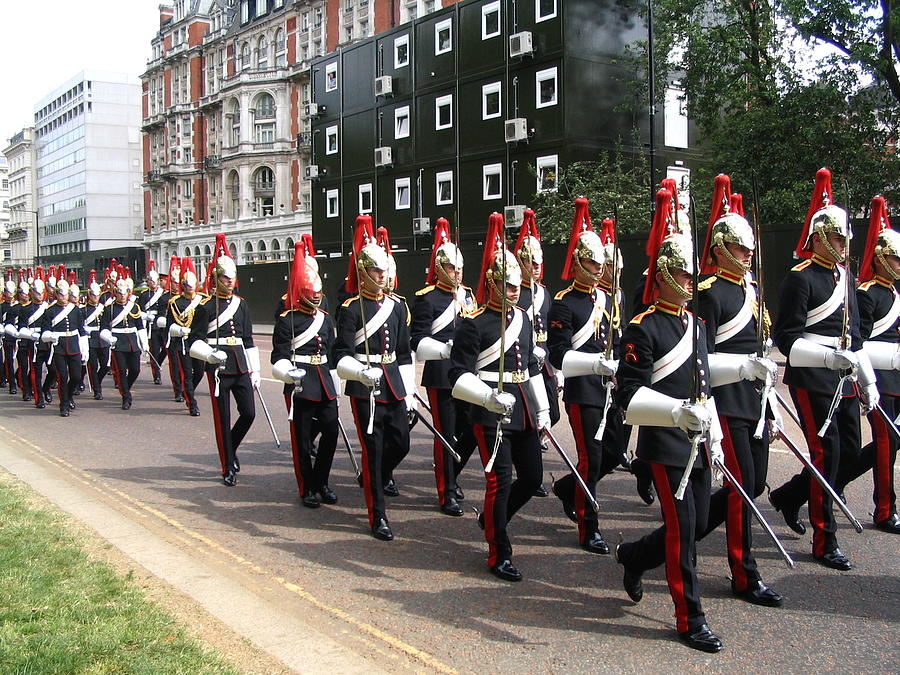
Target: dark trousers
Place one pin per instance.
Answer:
(552, 395)
(839, 447)
(68, 373)
(880, 456)
(229, 437)
(9, 363)
(748, 460)
(97, 367)
(503, 496)
(42, 360)
(128, 365)
(382, 450)
(24, 356)
(157, 342)
(312, 418)
(596, 459)
(452, 420)
(674, 543)
(186, 372)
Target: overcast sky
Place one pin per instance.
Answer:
(43, 43)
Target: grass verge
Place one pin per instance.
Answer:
(63, 613)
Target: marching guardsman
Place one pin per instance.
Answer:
(493, 367)
(373, 355)
(535, 300)
(301, 343)
(663, 359)
(818, 329)
(98, 350)
(34, 354)
(727, 302)
(222, 336)
(153, 303)
(62, 327)
(185, 370)
(879, 326)
(24, 344)
(310, 251)
(8, 310)
(122, 328)
(582, 325)
(435, 315)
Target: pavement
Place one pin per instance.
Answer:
(317, 592)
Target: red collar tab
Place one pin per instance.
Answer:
(669, 308)
(370, 296)
(584, 288)
(728, 275)
(819, 260)
(884, 281)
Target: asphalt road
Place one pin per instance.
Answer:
(425, 602)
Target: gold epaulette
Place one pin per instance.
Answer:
(562, 293)
(640, 317)
(801, 266)
(477, 312)
(706, 284)
(206, 299)
(866, 285)
(347, 302)
(427, 289)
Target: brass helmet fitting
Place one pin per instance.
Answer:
(676, 253)
(888, 243)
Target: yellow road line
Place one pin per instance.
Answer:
(141, 509)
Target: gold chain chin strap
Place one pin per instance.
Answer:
(823, 237)
(734, 261)
(667, 276)
(890, 270)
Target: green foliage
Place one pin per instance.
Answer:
(614, 180)
(61, 613)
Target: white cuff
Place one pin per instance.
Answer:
(408, 375)
(865, 373)
(882, 355)
(725, 368)
(280, 371)
(808, 354)
(336, 379)
(349, 368)
(471, 389)
(107, 336)
(650, 408)
(200, 349)
(430, 349)
(538, 392)
(576, 364)
(253, 359)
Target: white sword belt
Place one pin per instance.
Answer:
(824, 340)
(311, 359)
(92, 329)
(377, 358)
(512, 376)
(63, 333)
(229, 341)
(123, 331)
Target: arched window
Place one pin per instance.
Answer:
(233, 250)
(276, 249)
(248, 252)
(245, 56)
(197, 251)
(207, 250)
(289, 245)
(262, 53)
(280, 49)
(233, 198)
(264, 119)
(265, 106)
(261, 250)
(187, 252)
(264, 191)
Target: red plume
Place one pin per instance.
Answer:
(39, 273)
(152, 266)
(878, 222)
(297, 278)
(737, 203)
(721, 204)
(529, 228)
(174, 266)
(580, 223)
(308, 244)
(384, 241)
(658, 232)
(61, 272)
(441, 237)
(92, 277)
(185, 265)
(361, 236)
(494, 241)
(220, 249)
(820, 197)
(21, 275)
(72, 278)
(608, 231)
(671, 185)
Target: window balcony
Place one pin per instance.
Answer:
(212, 162)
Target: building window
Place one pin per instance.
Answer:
(490, 20)
(401, 51)
(675, 118)
(545, 88)
(443, 36)
(365, 198)
(245, 11)
(265, 107)
(331, 203)
(401, 193)
(280, 49)
(544, 9)
(490, 100)
(401, 122)
(262, 53)
(443, 188)
(265, 132)
(331, 140)
(547, 172)
(245, 56)
(260, 7)
(443, 112)
(331, 77)
(492, 181)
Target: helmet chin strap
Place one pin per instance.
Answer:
(720, 246)
(379, 287)
(591, 276)
(674, 285)
(827, 244)
(884, 263)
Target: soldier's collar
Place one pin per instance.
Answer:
(605, 286)
(308, 309)
(669, 307)
(225, 297)
(728, 275)
(496, 307)
(883, 281)
(584, 288)
(444, 286)
(819, 260)
(371, 296)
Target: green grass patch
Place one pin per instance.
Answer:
(63, 613)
